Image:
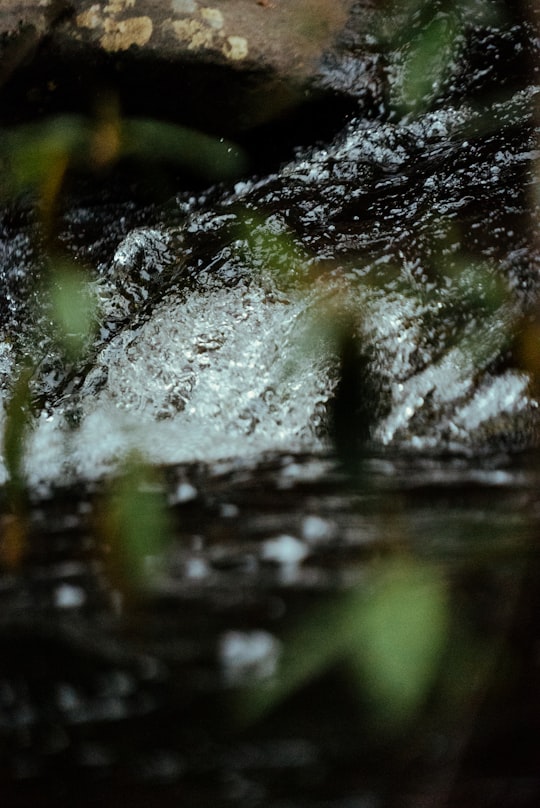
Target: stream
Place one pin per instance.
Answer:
(321, 379)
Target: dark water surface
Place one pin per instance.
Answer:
(107, 694)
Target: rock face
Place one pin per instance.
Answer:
(287, 37)
(226, 65)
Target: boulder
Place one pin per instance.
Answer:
(224, 65)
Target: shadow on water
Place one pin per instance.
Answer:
(241, 673)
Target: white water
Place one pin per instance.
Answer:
(222, 373)
(242, 364)
(233, 373)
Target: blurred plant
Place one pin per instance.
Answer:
(136, 524)
(390, 634)
(427, 61)
(36, 156)
(424, 39)
(404, 627)
(73, 309)
(17, 422)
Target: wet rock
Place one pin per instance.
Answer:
(223, 65)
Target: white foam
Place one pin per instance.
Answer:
(248, 656)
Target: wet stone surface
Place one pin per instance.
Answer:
(226, 67)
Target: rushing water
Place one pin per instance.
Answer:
(218, 334)
(221, 313)
(388, 277)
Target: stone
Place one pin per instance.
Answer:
(221, 64)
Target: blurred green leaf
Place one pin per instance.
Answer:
(391, 633)
(269, 246)
(427, 62)
(404, 631)
(209, 157)
(138, 525)
(73, 309)
(31, 152)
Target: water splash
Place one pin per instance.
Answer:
(217, 314)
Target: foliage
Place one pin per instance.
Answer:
(73, 309)
(37, 158)
(37, 155)
(390, 634)
(424, 40)
(17, 422)
(136, 523)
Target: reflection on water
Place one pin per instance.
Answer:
(225, 680)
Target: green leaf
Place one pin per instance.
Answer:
(404, 630)
(73, 309)
(138, 525)
(391, 633)
(210, 157)
(427, 63)
(32, 151)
